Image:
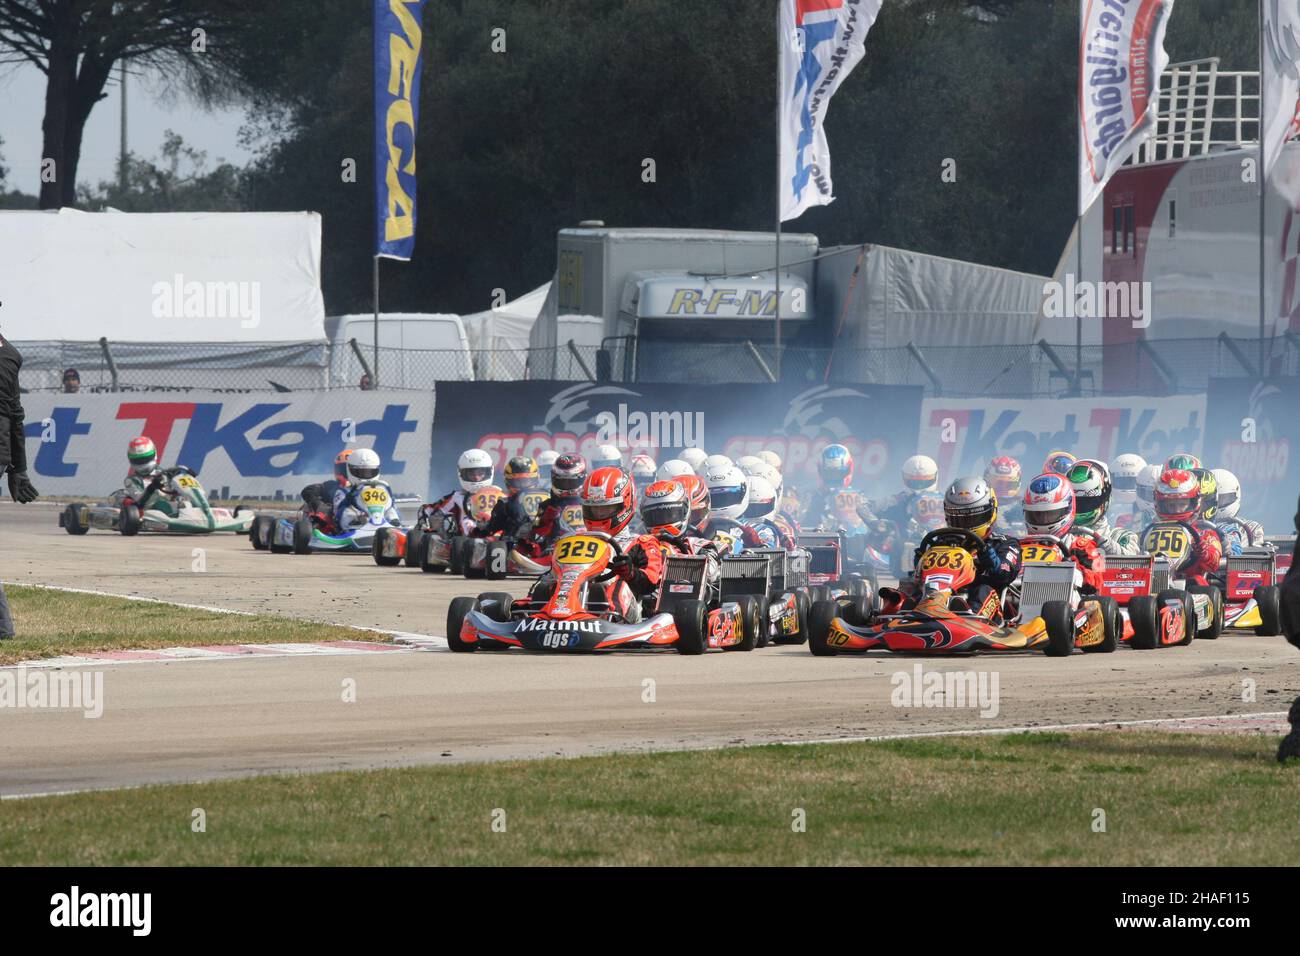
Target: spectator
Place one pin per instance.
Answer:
(13, 451)
(366, 384)
(1290, 746)
(71, 381)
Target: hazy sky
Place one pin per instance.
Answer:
(22, 106)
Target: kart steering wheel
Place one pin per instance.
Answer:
(959, 537)
(1087, 533)
(1048, 539)
(618, 554)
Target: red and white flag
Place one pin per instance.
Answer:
(1121, 57)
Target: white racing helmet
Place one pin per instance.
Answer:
(1145, 489)
(771, 457)
(695, 458)
(673, 468)
(606, 456)
(728, 492)
(1229, 498)
(363, 464)
(921, 473)
(717, 462)
(475, 470)
(545, 460)
(762, 499)
(749, 464)
(1124, 478)
(642, 467)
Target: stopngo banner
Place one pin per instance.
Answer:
(821, 41)
(1121, 57)
(962, 435)
(1250, 429)
(398, 35)
(878, 423)
(240, 445)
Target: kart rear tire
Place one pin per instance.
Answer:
(302, 534)
(425, 554)
(72, 519)
(129, 520)
(751, 626)
(819, 592)
(1215, 628)
(376, 549)
(1059, 618)
(500, 601)
(1269, 599)
(801, 607)
(259, 532)
(1112, 626)
(1189, 616)
(691, 618)
(820, 616)
(1142, 614)
(411, 556)
(460, 606)
(460, 552)
(496, 562)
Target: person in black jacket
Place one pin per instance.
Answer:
(13, 449)
(1290, 746)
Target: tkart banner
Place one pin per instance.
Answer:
(1250, 429)
(878, 423)
(398, 35)
(240, 445)
(962, 435)
(1121, 57)
(821, 41)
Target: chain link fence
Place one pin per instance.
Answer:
(1167, 366)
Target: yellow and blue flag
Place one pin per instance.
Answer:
(398, 35)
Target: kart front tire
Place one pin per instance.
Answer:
(801, 607)
(259, 532)
(1142, 614)
(427, 543)
(1189, 616)
(302, 531)
(460, 554)
(377, 549)
(129, 520)
(414, 538)
(1211, 631)
(496, 605)
(691, 619)
(751, 625)
(72, 520)
(1112, 626)
(1059, 618)
(1269, 599)
(820, 616)
(460, 606)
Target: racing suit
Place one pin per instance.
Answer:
(319, 499)
(509, 519)
(1115, 540)
(1207, 550)
(997, 565)
(743, 533)
(347, 505)
(822, 511)
(454, 505)
(1089, 557)
(1240, 534)
(548, 526)
(146, 492)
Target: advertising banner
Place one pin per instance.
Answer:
(878, 423)
(240, 445)
(398, 35)
(1250, 429)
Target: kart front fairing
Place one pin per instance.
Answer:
(931, 628)
(538, 632)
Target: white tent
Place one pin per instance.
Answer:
(499, 337)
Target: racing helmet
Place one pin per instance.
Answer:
(728, 492)
(771, 457)
(835, 466)
(521, 473)
(773, 477)
(567, 475)
(1058, 463)
(1182, 461)
(642, 467)
(695, 458)
(762, 499)
(697, 495)
(749, 464)
(971, 505)
(921, 473)
(1147, 480)
(1177, 495)
(672, 468)
(142, 455)
(341, 466)
(1091, 481)
(608, 500)
(717, 463)
(1124, 478)
(606, 456)
(363, 464)
(545, 462)
(1049, 505)
(1208, 506)
(475, 470)
(665, 508)
(1229, 501)
(1003, 476)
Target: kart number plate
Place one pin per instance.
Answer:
(185, 481)
(579, 549)
(1171, 541)
(374, 497)
(1039, 552)
(947, 558)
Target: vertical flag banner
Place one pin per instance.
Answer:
(1281, 79)
(1121, 56)
(398, 33)
(821, 42)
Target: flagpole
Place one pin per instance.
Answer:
(776, 275)
(1078, 220)
(374, 368)
(1263, 177)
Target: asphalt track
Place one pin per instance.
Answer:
(195, 720)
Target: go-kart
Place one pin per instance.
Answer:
(1172, 541)
(944, 621)
(497, 557)
(778, 580)
(1252, 593)
(1154, 613)
(828, 579)
(308, 532)
(571, 614)
(194, 514)
(431, 543)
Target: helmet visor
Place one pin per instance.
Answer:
(594, 514)
(566, 483)
(969, 520)
(1227, 499)
(362, 473)
(1086, 504)
(918, 482)
(1175, 507)
(1124, 482)
(475, 474)
(759, 509)
(727, 496)
(665, 514)
(1046, 517)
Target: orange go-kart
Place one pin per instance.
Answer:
(571, 610)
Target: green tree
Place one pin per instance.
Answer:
(179, 180)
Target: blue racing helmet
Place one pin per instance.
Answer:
(835, 466)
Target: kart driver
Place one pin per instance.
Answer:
(510, 518)
(363, 468)
(760, 515)
(1124, 483)
(1003, 475)
(1092, 490)
(608, 504)
(143, 484)
(728, 499)
(697, 496)
(1238, 533)
(567, 476)
(920, 477)
(666, 513)
(1050, 508)
(835, 471)
(1059, 463)
(319, 498)
(1179, 498)
(475, 472)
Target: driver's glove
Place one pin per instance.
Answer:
(637, 558)
(21, 488)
